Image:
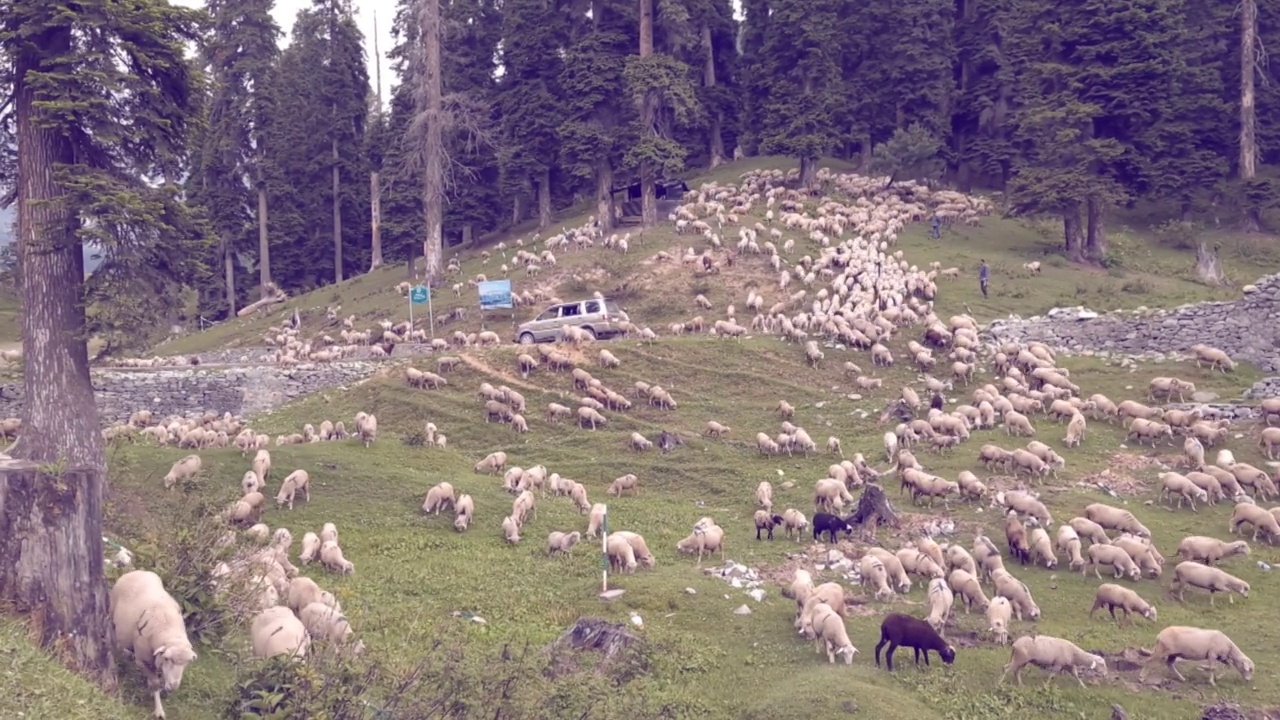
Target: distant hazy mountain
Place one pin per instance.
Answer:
(9, 216)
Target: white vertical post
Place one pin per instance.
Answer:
(604, 552)
(410, 309)
(431, 314)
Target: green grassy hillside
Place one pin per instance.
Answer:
(1144, 272)
(412, 571)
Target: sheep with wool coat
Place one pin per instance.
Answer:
(1179, 642)
(1208, 578)
(1121, 562)
(1114, 518)
(964, 584)
(1017, 592)
(639, 546)
(277, 631)
(1112, 596)
(439, 497)
(149, 628)
(999, 613)
(829, 630)
(1262, 521)
(297, 480)
(1053, 654)
(830, 525)
(1209, 550)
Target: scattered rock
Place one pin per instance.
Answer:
(612, 594)
(1204, 396)
(756, 594)
(742, 610)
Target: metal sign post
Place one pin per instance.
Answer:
(417, 296)
(604, 552)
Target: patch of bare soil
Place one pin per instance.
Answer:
(965, 638)
(1119, 481)
(507, 378)
(1231, 711)
(913, 525)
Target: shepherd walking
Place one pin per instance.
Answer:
(984, 273)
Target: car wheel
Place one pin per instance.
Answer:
(526, 338)
(590, 333)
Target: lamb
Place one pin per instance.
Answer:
(247, 509)
(1208, 550)
(1261, 520)
(622, 556)
(331, 557)
(1172, 483)
(1053, 654)
(829, 629)
(1208, 578)
(764, 495)
(1119, 560)
(187, 467)
(970, 590)
(310, 547)
(438, 498)
(329, 533)
(903, 630)
(623, 484)
(940, 599)
(277, 631)
(464, 509)
(297, 480)
(1112, 596)
(716, 430)
(1113, 518)
(999, 613)
(560, 542)
(1018, 594)
(149, 628)
(1179, 642)
(511, 529)
(1042, 548)
(765, 521)
(794, 521)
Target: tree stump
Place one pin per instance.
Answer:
(51, 566)
(1209, 266)
(874, 509)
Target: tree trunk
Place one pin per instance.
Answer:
(865, 162)
(51, 564)
(1073, 232)
(433, 247)
(648, 123)
(517, 209)
(709, 81)
(544, 199)
(264, 247)
(337, 214)
(1209, 265)
(604, 195)
(229, 266)
(50, 528)
(1095, 247)
(1248, 111)
(808, 171)
(375, 218)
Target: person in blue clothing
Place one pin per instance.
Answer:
(935, 229)
(984, 273)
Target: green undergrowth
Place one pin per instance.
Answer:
(33, 684)
(1141, 272)
(413, 573)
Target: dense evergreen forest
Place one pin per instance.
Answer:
(284, 166)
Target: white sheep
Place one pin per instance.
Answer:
(829, 629)
(277, 631)
(439, 497)
(1208, 578)
(1178, 642)
(940, 599)
(463, 511)
(149, 628)
(187, 467)
(310, 547)
(1209, 550)
(324, 622)
(999, 613)
(1112, 596)
(297, 480)
(1053, 654)
(332, 558)
(560, 542)
(303, 591)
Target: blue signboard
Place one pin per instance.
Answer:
(419, 294)
(495, 294)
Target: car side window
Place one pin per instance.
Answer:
(550, 314)
(568, 311)
(593, 307)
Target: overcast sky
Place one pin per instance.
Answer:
(286, 10)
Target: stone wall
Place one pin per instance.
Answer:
(262, 354)
(191, 391)
(1247, 329)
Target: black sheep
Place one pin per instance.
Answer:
(830, 524)
(898, 629)
(936, 402)
(765, 521)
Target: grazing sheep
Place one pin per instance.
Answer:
(1172, 484)
(623, 484)
(328, 624)
(639, 443)
(464, 509)
(511, 529)
(969, 589)
(331, 557)
(704, 541)
(873, 572)
(149, 628)
(329, 533)
(830, 525)
(438, 498)
(1053, 654)
(277, 631)
(1179, 642)
(1121, 562)
(187, 467)
(1112, 596)
(302, 591)
(716, 430)
(764, 495)
(247, 509)
(903, 630)
(1261, 520)
(297, 480)
(1042, 548)
(310, 547)
(638, 546)
(940, 599)
(1089, 530)
(560, 542)
(999, 613)
(765, 521)
(829, 630)
(1069, 543)
(622, 556)
(1208, 550)
(1018, 594)
(1113, 518)
(794, 521)
(492, 463)
(1208, 578)
(829, 594)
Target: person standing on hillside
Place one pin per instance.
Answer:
(984, 273)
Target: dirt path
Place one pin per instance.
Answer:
(507, 378)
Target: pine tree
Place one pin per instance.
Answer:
(240, 52)
(980, 146)
(100, 102)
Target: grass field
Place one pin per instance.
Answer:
(414, 572)
(1145, 272)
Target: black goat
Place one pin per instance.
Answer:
(898, 629)
(830, 524)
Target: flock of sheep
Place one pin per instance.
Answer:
(854, 291)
